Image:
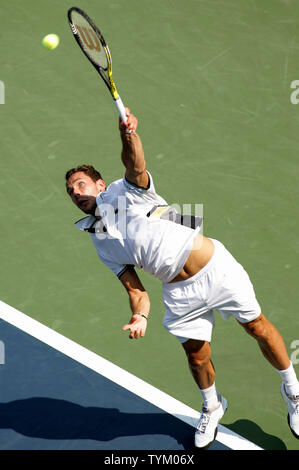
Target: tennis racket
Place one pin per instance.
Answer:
(94, 46)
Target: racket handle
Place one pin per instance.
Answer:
(121, 109)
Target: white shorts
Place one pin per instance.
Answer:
(222, 285)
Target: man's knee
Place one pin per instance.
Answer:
(198, 353)
(258, 328)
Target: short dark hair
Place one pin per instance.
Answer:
(88, 169)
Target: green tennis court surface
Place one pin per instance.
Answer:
(210, 82)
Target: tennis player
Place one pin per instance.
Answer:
(198, 274)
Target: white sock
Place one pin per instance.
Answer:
(290, 380)
(210, 398)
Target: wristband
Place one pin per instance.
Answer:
(141, 315)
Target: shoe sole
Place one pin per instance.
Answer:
(216, 431)
(293, 432)
(284, 397)
(210, 443)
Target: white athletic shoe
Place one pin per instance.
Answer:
(293, 406)
(208, 423)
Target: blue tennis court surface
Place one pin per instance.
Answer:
(49, 400)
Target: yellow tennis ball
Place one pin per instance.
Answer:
(50, 41)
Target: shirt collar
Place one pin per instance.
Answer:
(86, 224)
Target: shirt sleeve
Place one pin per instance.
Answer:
(117, 268)
(135, 187)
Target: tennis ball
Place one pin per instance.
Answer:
(50, 41)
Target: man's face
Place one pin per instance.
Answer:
(83, 191)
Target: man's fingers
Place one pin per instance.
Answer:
(126, 327)
(135, 332)
(128, 114)
(130, 124)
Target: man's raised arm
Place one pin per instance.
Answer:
(132, 154)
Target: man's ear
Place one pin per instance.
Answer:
(100, 185)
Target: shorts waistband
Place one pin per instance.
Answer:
(218, 245)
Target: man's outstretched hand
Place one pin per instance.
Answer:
(137, 326)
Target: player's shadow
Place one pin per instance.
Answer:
(49, 418)
(254, 433)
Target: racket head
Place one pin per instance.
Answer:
(93, 45)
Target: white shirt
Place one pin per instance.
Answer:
(125, 235)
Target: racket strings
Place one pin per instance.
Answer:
(89, 38)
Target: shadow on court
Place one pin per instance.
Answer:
(254, 433)
(49, 418)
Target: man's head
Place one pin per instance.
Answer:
(83, 184)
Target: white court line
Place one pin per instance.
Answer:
(117, 375)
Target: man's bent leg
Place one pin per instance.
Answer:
(199, 359)
(214, 405)
(269, 340)
(274, 350)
